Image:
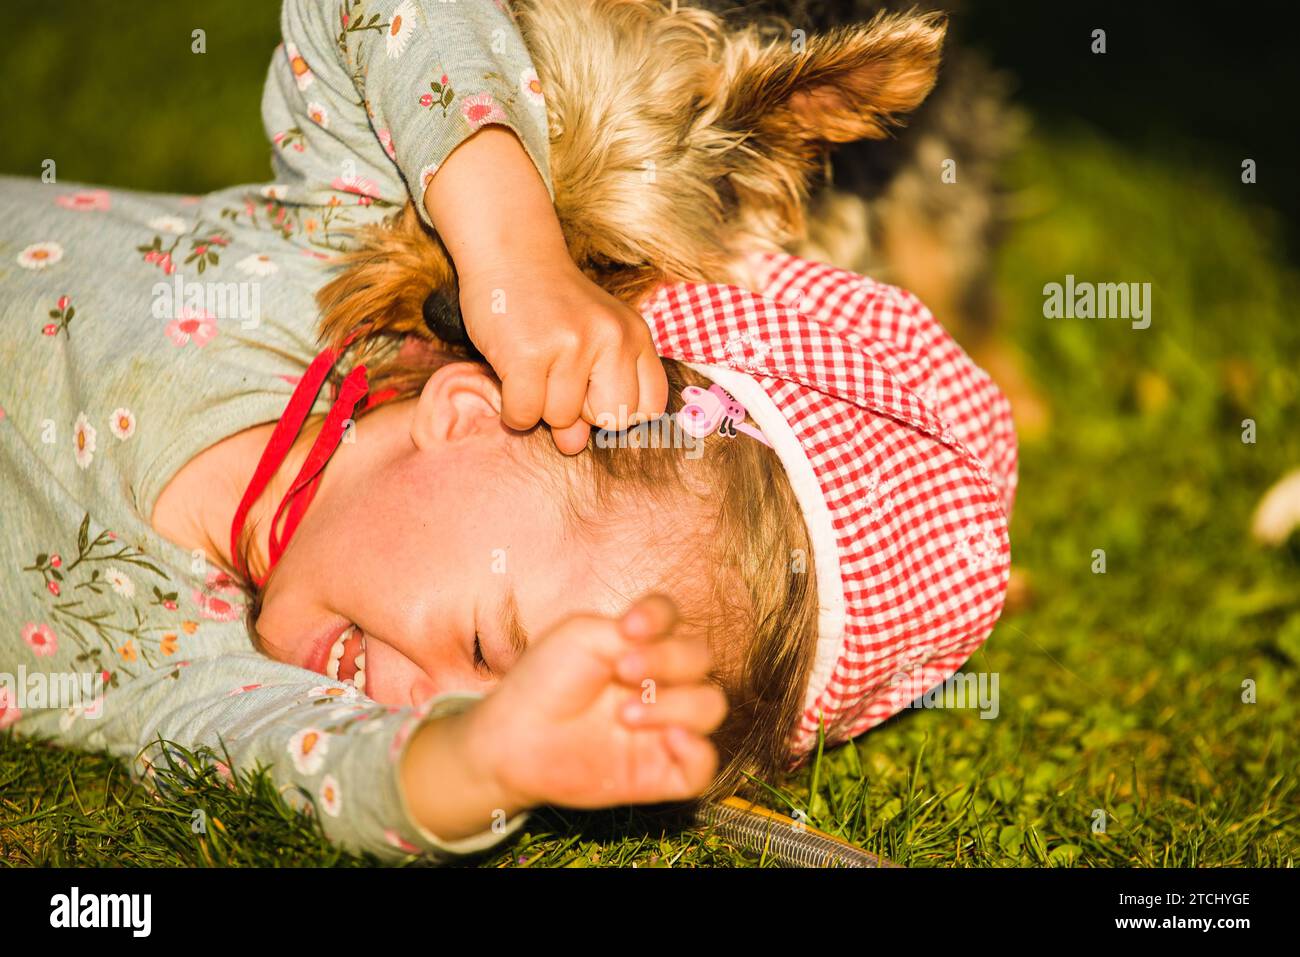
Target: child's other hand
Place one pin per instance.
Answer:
(567, 352)
(601, 712)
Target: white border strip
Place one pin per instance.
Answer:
(807, 490)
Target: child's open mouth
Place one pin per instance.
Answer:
(347, 658)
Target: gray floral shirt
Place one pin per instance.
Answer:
(138, 329)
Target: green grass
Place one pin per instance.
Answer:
(1120, 692)
(115, 95)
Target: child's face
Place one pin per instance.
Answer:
(429, 529)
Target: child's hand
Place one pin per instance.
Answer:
(567, 352)
(602, 712)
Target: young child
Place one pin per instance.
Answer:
(453, 625)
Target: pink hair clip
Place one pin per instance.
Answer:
(714, 410)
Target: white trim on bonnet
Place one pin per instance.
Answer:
(817, 517)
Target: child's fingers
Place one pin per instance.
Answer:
(700, 708)
(612, 394)
(649, 617)
(695, 756)
(572, 439)
(566, 388)
(523, 396)
(667, 662)
(652, 386)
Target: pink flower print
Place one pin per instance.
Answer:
(480, 109)
(400, 27)
(531, 87)
(331, 801)
(238, 691)
(217, 598)
(56, 561)
(399, 739)
(195, 324)
(53, 587)
(87, 201)
(308, 748)
(223, 771)
(62, 314)
(426, 101)
(364, 189)
(399, 842)
(83, 441)
(41, 639)
(172, 225)
(122, 423)
(386, 141)
(40, 255)
(302, 74)
(9, 711)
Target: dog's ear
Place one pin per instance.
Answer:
(850, 83)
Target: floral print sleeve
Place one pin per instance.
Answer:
(111, 636)
(365, 99)
(111, 646)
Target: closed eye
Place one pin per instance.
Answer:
(480, 663)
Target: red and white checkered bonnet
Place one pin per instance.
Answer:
(902, 455)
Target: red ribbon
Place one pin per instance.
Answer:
(305, 484)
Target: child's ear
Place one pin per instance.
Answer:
(460, 401)
(849, 83)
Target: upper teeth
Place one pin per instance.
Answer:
(336, 652)
(336, 657)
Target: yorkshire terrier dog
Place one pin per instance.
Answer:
(927, 207)
(670, 173)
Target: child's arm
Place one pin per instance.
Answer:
(566, 351)
(365, 99)
(342, 755)
(571, 724)
(376, 103)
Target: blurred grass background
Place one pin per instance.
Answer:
(1121, 693)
